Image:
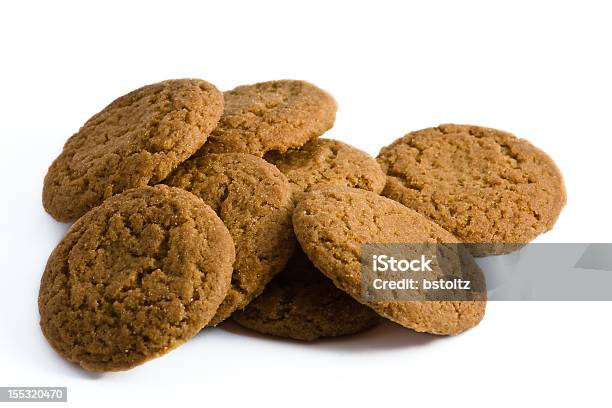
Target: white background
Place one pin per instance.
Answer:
(541, 70)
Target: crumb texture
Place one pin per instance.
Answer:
(332, 224)
(302, 304)
(274, 115)
(483, 185)
(255, 202)
(325, 162)
(135, 141)
(134, 278)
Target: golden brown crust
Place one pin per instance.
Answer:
(302, 304)
(255, 202)
(135, 141)
(134, 278)
(484, 185)
(325, 162)
(332, 224)
(274, 115)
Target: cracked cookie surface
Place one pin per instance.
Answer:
(255, 202)
(332, 224)
(326, 162)
(484, 185)
(134, 278)
(135, 141)
(302, 304)
(273, 115)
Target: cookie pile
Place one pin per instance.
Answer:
(192, 206)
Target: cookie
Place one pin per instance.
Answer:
(483, 185)
(135, 141)
(332, 224)
(326, 162)
(302, 304)
(274, 115)
(134, 278)
(254, 200)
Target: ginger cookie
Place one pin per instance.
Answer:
(274, 115)
(484, 185)
(254, 200)
(134, 278)
(302, 304)
(332, 224)
(135, 141)
(326, 162)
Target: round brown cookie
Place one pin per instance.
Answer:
(274, 115)
(135, 141)
(254, 200)
(302, 304)
(332, 224)
(134, 278)
(484, 185)
(326, 162)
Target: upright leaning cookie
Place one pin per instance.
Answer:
(274, 115)
(327, 162)
(483, 185)
(302, 304)
(134, 278)
(254, 201)
(135, 141)
(332, 224)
